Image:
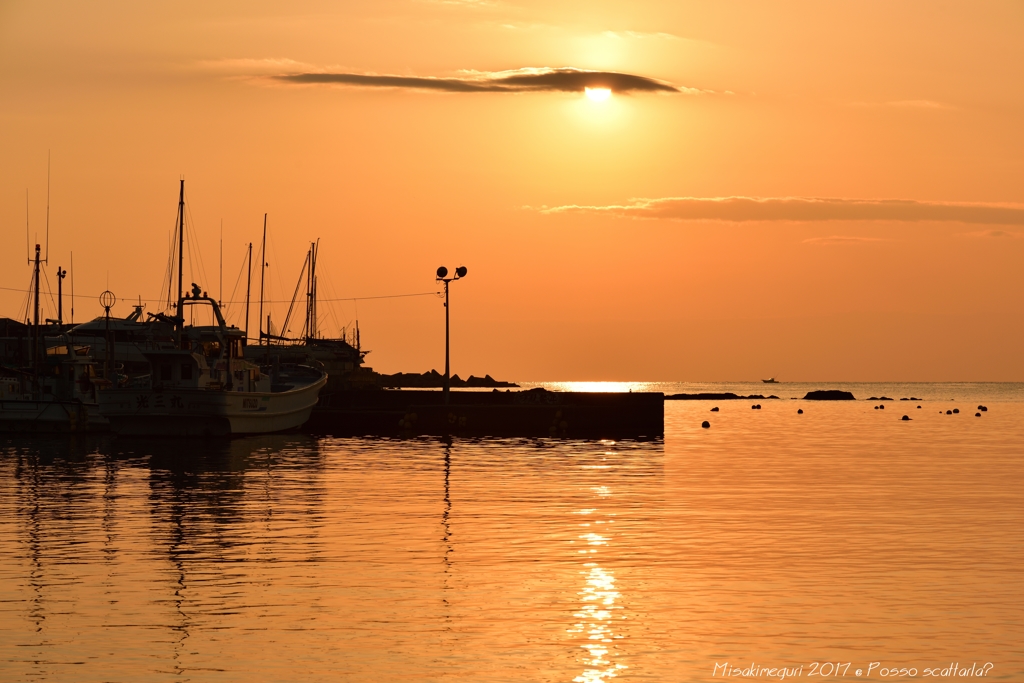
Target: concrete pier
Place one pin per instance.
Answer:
(536, 412)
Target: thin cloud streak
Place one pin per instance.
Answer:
(839, 240)
(994, 234)
(564, 79)
(804, 209)
(906, 104)
(641, 35)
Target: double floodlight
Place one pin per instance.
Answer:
(460, 272)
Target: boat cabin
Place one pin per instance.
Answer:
(208, 357)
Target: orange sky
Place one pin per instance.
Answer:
(592, 248)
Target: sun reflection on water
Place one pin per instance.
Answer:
(595, 622)
(597, 604)
(614, 387)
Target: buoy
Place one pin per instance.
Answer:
(881, 407)
(876, 407)
(715, 409)
(919, 407)
(977, 415)
(905, 417)
(705, 424)
(956, 411)
(949, 412)
(800, 411)
(753, 407)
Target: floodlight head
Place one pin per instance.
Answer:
(461, 271)
(442, 272)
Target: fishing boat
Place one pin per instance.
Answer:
(205, 387)
(202, 385)
(59, 399)
(46, 385)
(342, 357)
(120, 343)
(770, 380)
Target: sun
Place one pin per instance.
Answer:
(598, 94)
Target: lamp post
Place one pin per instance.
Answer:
(442, 276)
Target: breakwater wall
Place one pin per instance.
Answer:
(536, 412)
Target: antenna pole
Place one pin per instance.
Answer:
(61, 274)
(72, 288)
(47, 259)
(248, 285)
(221, 297)
(263, 264)
(28, 252)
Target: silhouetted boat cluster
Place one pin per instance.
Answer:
(161, 376)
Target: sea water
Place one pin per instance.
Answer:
(772, 545)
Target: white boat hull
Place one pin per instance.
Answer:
(202, 412)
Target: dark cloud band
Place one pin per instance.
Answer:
(523, 80)
(804, 209)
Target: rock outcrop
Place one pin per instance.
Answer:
(727, 396)
(829, 395)
(435, 380)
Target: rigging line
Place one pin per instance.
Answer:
(238, 280)
(329, 312)
(50, 293)
(23, 311)
(188, 252)
(201, 265)
(171, 260)
(331, 308)
(291, 306)
(334, 306)
(273, 272)
(188, 244)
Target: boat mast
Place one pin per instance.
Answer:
(248, 285)
(181, 256)
(311, 292)
(35, 318)
(263, 264)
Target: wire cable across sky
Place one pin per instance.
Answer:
(267, 301)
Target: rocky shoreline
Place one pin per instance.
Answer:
(435, 380)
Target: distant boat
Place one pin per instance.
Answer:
(770, 380)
